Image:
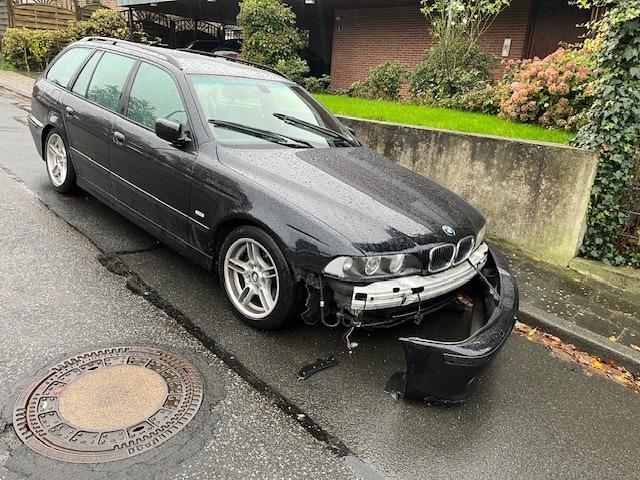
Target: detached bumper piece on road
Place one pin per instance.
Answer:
(447, 371)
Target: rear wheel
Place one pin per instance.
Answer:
(257, 279)
(59, 167)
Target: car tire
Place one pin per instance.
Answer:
(257, 279)
(60, 169)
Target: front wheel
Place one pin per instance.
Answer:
(257, 279)
(59, 167)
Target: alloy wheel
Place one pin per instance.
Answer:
(251, 278)
(57, 159)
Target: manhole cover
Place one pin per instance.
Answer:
(108, 404)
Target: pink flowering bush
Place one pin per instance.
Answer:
(554, 92)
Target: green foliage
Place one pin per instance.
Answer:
(15, 47)
(32, 49)
(26, 49)
(553, 92)
(386, 79)
(461, 19)
(449, 71)
(455, 73)
(613, 130)
(294, 68)
(383, 82)
(359, 90)
(8, 67)
(317, 84)
(103, 23)
(45, 44)
(270, 36)
(480, 98)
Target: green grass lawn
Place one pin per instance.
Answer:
(439, 118)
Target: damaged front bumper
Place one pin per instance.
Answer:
(417, 288)
(447, 371)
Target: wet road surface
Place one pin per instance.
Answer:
(532, 415)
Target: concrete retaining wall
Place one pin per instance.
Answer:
(534, 195)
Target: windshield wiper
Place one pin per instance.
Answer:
(326, 132)
(263, 134)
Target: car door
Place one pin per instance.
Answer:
(150, 176)
(89, 113)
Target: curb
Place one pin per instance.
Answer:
(12, 88)
(625, 278)
(582, 338)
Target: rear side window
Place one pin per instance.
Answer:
(154, 95)
(82, 82)
(109, 77)
(62, 71)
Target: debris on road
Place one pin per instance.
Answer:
(320, 364)
(590, 363)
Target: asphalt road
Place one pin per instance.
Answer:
(532, 416)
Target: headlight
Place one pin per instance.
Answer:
(395, 264)
(372, 265)
(375, 266)
(480, 236)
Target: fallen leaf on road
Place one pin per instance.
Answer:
(613, 338)
(591, 364)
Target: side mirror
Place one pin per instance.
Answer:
(170, 131)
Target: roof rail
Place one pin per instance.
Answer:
(224, 56)
(115, 41)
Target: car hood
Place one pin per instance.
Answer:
(377, 205)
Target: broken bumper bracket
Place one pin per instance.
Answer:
(447, 371)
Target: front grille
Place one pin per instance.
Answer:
(441, 257)
(465, 247)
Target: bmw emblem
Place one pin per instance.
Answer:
(449, 230)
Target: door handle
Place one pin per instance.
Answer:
(69, 111)
(118, 138)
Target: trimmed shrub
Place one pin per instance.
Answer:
(450, 70)
(359, 89)
(317, 84)
(383, 82)
(554, 92)
(15, 47)
(294, 68)
(386, 79)
(103, 23)
(33, 49)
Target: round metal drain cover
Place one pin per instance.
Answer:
(108, 404)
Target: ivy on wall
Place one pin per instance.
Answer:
(613, 130)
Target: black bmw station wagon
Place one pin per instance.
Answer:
(244, 172)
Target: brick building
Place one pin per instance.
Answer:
(365, 37)
(355, 35)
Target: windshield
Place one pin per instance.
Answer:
(265, 106)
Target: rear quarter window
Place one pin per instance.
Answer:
(65, 67)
